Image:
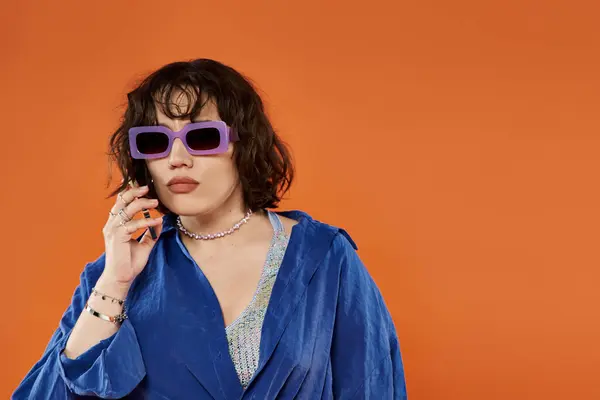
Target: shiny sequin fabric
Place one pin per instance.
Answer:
(243, 334)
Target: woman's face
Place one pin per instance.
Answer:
(217, 177)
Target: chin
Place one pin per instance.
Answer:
(191, 206)
(199, 203)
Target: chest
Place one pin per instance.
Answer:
(175, 313)
(233, 275)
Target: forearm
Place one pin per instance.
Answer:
(89, 329)
(88, 356)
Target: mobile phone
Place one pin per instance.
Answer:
(146, 213)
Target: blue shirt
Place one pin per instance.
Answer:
(327, 333)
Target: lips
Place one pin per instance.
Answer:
(181, 179)
(182, 184)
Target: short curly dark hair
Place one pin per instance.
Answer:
(263, 160)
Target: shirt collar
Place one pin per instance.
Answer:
(170, 219)
(304, 220)
(169, 223)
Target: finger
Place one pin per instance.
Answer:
(127, 214)
(139, 204)
(132, 226)
(147, 238)
(127, 196)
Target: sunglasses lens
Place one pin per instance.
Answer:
(203, 139)
(152, 142)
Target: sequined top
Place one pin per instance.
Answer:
(243, 334)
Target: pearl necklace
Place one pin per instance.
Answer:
(213, 235)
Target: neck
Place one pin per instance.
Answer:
(215, 221)
(221, 219)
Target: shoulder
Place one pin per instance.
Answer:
(316, 229)
(357, 286)
(330, 246)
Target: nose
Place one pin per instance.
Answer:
(179, 155)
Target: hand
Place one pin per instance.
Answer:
(126, 258)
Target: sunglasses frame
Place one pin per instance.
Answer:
(227, 134)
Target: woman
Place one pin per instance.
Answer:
(232, 300)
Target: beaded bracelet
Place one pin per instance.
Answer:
(105, 296)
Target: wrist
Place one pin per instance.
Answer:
(113, 287)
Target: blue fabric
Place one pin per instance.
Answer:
(327, 333)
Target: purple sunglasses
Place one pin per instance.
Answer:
(199, 138)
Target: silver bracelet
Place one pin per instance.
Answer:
(117, 319)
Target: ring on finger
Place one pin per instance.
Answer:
(124, 215)
(123, 224)
(112, 214)
(120, 196)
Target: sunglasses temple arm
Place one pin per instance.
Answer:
(233, 135)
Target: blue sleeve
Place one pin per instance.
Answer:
(365, 353)
(110, 369)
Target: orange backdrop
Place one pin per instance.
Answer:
(457, 141)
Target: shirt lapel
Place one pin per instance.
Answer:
(199, 329)
(308, 245)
